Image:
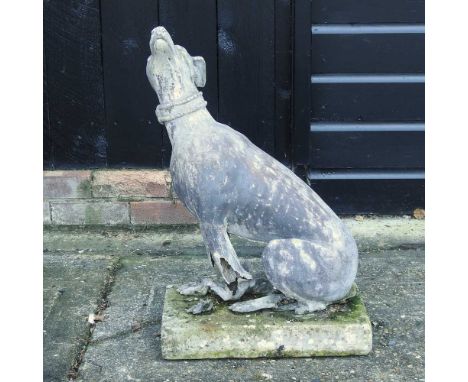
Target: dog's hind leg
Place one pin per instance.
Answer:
(313, 274)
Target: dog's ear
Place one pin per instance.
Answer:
(199, 67)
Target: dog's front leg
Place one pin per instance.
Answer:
(221, 290)
(222, 253)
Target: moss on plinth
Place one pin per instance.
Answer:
(340, 330)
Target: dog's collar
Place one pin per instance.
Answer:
(166, 112)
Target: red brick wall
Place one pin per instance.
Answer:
(112, 197)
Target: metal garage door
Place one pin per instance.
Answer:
(361, 140)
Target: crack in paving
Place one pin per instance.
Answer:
(102, 304)
(124, 333)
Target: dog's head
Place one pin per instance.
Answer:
(172, 72)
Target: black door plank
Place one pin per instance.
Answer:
(371, 196)
(301, 82)
(369, 149)
(367, 11)
(46, 147)
(246, 68)
(72, 42)
(283, 83)
(135, 138)
(367, 102)
(368, 53)
(193, 25)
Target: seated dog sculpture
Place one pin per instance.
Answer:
(232, 186)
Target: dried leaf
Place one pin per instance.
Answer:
(93, 318)
(136, 326)
(419, 213)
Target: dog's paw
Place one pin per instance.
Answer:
(267, 302)
(310, 307)
(203, 306)
(193, 289)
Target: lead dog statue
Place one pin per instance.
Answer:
(233, 187)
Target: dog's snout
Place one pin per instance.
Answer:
(158, 35)
(159, 32)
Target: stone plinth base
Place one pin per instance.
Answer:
(342, 329)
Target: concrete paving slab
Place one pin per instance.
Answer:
(370, 233)
(137, 295)
(340, 330)
(127, 345)
(72, 287)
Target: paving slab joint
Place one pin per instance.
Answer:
(102, 304)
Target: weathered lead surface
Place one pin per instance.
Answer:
(342, 329)
(232, 186)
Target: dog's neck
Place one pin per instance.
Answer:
(169, 111)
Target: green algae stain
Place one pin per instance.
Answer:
(352, 310)
(92, 216)
(84, 189)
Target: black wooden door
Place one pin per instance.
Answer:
(99, 106)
